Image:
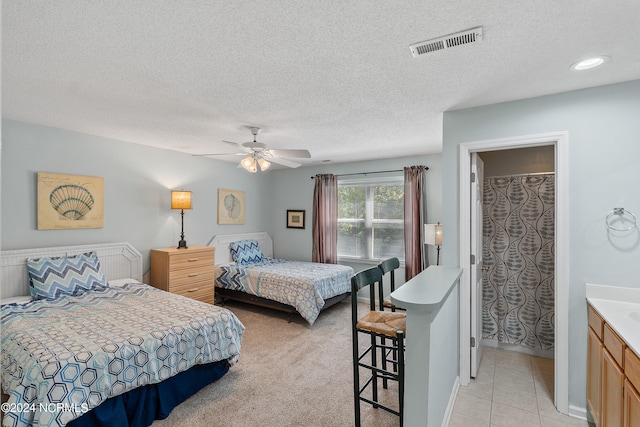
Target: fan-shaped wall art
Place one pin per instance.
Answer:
(231, 206)
(70, 201)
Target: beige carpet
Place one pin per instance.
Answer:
(289, 374)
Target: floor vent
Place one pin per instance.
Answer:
(473, 35)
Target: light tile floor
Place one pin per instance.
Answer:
(512, 389)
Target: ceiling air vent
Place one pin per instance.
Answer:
(464, 37)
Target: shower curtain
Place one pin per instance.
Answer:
(518, 250)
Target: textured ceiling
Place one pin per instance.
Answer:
(334, 77)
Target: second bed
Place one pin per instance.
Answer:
(247, 271)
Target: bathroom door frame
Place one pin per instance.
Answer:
(560, 141)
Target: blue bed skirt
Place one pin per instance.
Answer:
(141, 406)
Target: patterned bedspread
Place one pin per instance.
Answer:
(61, 358)
(303, 285)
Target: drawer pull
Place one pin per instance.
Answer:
(193, 290)
(193, 274)
(193, 259)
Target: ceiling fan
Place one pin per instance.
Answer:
(259, 156)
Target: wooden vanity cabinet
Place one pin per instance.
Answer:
(631, 406)
(631, 387)
(594, 364)
(613, 377)
(612, 391)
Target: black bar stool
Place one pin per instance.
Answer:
(388, 266)
(381, 326)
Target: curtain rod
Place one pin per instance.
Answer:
(519, 175)
(367, 173)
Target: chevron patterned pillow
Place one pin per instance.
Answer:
(246, 251)
(50, 278)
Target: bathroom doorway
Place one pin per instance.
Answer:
(559, 142)
(518, 237)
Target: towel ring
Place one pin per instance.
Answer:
(621, 212)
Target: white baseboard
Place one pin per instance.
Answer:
(578, 412)
(452, 402)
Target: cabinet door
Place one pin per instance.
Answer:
(631, 406)
(612, 392)
(594, 355)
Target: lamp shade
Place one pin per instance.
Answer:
(249, 163)
(433, 234)
(180, 199)
(264, 164)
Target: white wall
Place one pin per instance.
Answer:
(137, 184)
(604, 172)
(444, 360)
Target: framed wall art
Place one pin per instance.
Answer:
(295, 218)
(231, 207)
(70, 201)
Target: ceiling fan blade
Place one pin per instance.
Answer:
(235, 144)
(241, 147)
(296, 154)
(283, 162)
(219, 154)
(259, 150)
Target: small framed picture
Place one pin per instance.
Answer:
(231, 208)
(295, 218)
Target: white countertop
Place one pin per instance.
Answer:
(620, 308)
(427, 290)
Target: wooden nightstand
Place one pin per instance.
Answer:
(187, 272)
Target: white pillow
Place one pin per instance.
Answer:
(118, 283)
(16, 300)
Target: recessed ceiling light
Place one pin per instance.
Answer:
(589, 63)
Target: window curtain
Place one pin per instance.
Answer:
(325, 219)
(415, 214)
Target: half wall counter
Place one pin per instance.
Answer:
(432, 351)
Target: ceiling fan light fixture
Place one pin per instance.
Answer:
(264, 164)
(257, 153)
(249, 163)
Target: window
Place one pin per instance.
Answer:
(371, 218)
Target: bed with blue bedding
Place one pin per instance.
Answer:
(292, 286)
(81, 350)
